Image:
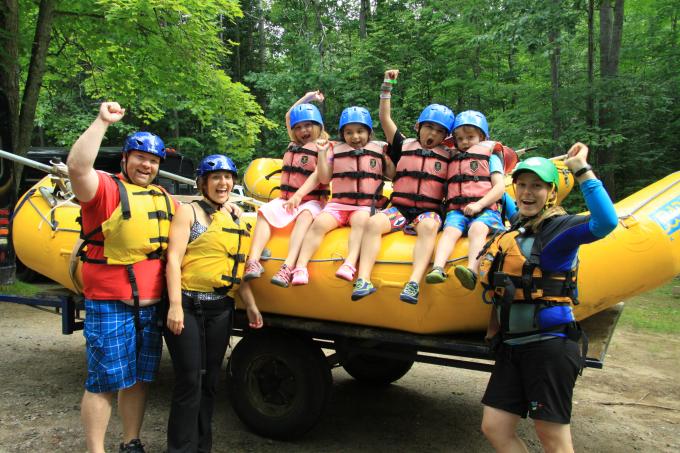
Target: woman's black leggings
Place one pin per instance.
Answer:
(197, 355)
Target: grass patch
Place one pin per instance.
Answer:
(19, 288)
(655, 311)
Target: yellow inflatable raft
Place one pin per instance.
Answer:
(642, 253)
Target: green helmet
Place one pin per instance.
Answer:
(543, 168)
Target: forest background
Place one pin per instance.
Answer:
(217, 76)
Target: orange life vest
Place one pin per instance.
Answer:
(358, 173)
(421, 175)
(468, 178)
(298, 163)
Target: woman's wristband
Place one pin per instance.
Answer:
(582, 171)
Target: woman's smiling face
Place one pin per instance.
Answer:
(532, 193)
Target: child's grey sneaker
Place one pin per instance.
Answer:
(410, 293)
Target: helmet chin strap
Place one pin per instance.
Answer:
(123, 169)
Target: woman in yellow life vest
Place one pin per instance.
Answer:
(206, 252)
(529, 274)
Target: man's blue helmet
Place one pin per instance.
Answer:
(355, 115)
(472, 118)
(305, 112)
(216, 162)
(145, 142)
(439, 114)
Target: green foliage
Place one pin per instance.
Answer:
(19, 288)
(655, 311)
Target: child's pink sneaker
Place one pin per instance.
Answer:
(253, 270)
(283, 276)
(300, 276)
(346, 272)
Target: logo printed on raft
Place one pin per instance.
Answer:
(668, 216)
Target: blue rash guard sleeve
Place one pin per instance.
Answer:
(603, 218)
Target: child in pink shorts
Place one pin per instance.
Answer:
(302, 196)
(355, 168)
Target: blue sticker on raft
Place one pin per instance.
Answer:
(668, 216)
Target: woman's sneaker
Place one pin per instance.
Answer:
(283, 276)
(467, 278)
(134, 446)
(410, 293)
(346, 272)
(362, 288)
(436, 275)
(253, 270)
(300, 276)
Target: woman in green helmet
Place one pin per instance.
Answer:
(529, 274)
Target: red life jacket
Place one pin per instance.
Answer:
(358, 173)
(298, 163)
(469, 178)
(421, 175)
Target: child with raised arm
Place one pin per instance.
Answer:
(355, 168)
(421, 166)
(302, 196)
(475, 186)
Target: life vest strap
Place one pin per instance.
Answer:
(466, 178)
(297, 149)
(293, 169)
(161, 215)
(358, 153)
(292, 189)
(357, 195)
(159, 239)
(238, 231)
(426, 153)
(415, 197)
(419, 175)
(465, 156)
(357, 175)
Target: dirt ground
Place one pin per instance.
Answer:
(631, 405)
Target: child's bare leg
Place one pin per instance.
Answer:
(358, 222)
(376, 226)
(302, 224)
(422, 252)
(322, 225)
(261, 236)
(476, 238)
(446, 244)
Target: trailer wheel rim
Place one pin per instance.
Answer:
(272, 386)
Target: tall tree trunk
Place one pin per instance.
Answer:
(261, 42)
(611, 29)
(9, 74)
(590, 99)
(364, 13)
(555, 53)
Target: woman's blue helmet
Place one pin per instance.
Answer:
(216, 162)
(355, 115)
(305, 112)
(472, 118)
(145, 142)
(438, 114)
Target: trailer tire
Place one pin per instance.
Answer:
(376, 370)
(279, 383)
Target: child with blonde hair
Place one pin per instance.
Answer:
(302, 196)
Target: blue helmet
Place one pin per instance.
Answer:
(439, 114)
(472, 118)
(305, 112)
(145, 142)
(355, 115)
(216, 162)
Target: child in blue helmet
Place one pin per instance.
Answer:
(421, 168)
(355, 168)
(475, 185)
(302, 197)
